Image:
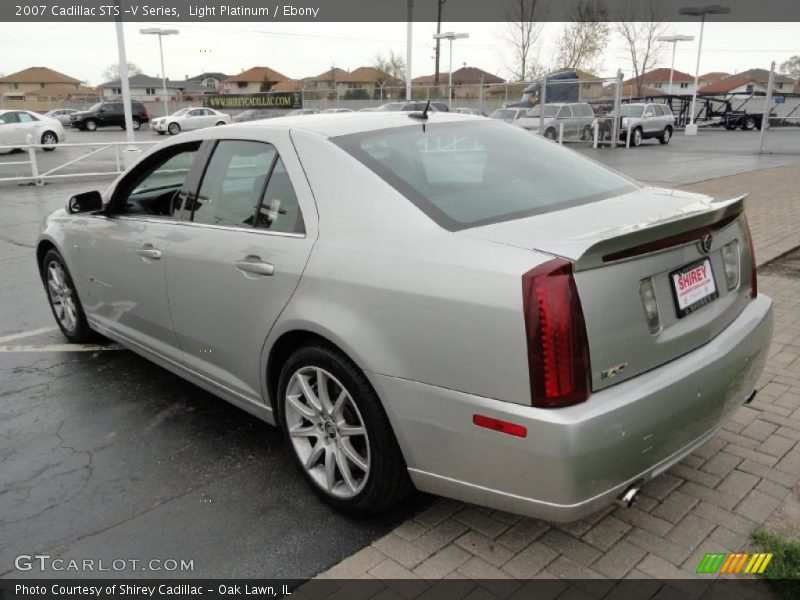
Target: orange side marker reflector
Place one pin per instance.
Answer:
(501, 426)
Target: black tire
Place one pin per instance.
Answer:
(136, 125)
(729, 126)
(586, 134)
(636, 137)
(90, 125)
(749, 123)
(550, 133)
(219, 123)
(174, 129)
(80, 333)
(666, 136)
(49, 137)
(388, 481)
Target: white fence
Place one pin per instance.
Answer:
(39, 176)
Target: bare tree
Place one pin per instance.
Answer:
(524, 29)
(640, 23)
(582, 41)
(111, 73)
(394, 65)
(791, 67)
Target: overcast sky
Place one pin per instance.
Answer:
(299, 50)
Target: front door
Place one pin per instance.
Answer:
(124, 252)
(237, 260)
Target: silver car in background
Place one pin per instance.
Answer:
(61, 115)
(645, 121)
(446, 303)
(573, 121)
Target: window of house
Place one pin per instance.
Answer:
(684, 85)
(657, 85)
(241, 84)
(150, 91)
(749, 88)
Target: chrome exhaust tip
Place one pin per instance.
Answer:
(628, 497)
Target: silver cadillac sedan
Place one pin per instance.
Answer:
(432, 301)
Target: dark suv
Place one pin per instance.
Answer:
(108, 114)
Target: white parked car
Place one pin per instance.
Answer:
(61, 115)
(189, 118)
(17, 125)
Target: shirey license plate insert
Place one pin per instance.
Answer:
(693, 287)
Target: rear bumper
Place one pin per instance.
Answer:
(576, 460)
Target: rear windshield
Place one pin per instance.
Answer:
(469, 174)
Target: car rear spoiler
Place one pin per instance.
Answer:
(697, 221)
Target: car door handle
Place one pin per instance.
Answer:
(253, 264)
(149, 252)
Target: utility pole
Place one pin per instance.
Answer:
(438, 41)
(409, 41)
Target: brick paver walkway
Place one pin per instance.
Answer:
(711, 501)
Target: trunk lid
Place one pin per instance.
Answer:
(615, 245)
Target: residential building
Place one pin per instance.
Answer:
(253, 80)
(210, 81)
(149, 89)
(711, 78)
(467, 82)
(749, 82)
(658, 79)
(41, 82)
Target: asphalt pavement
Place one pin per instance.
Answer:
(105, 455)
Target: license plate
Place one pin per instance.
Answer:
(694, 287)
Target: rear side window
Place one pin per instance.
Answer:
(233, 183)
(469, 174)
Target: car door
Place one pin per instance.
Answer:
(210, 119)
(564, 119)
(194, 119)
(650, 123)
(28, 126)
(239, 256)
(123, 252)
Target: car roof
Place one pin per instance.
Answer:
(334, 125)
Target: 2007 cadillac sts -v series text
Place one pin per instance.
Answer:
(436, 300)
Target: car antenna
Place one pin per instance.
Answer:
(421, 115)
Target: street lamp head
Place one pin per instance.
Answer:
(449, 35)
(701, 11)
(675, 38)
(158, 31)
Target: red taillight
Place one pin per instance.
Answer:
(558, 351)
(753, 275)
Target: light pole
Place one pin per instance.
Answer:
(161, 33)
(700, 11)
(450, 36)
(674, 39)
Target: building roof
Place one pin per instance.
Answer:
(257, 75)
(474, 75)
(662, 75)
(429, 79)
(369, 75)
(714, 76)
(334, 74)
(726, 84)
(145, 81)
(290, 85)
(220, 76)
(62, 90)
(629, 90)
(38, 75)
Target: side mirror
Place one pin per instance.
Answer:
(85, 202)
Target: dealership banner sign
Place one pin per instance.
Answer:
(278, 100)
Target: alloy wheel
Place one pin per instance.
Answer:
(49, 139)
(62, 296)
(327, 432)
(91, 125)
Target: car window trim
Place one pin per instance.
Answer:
(156, 219)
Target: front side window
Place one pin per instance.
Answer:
(470, 174)
(8, 118)
(233, 183)
(152, 189)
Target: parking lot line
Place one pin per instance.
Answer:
(61, 348)
(24, 334)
